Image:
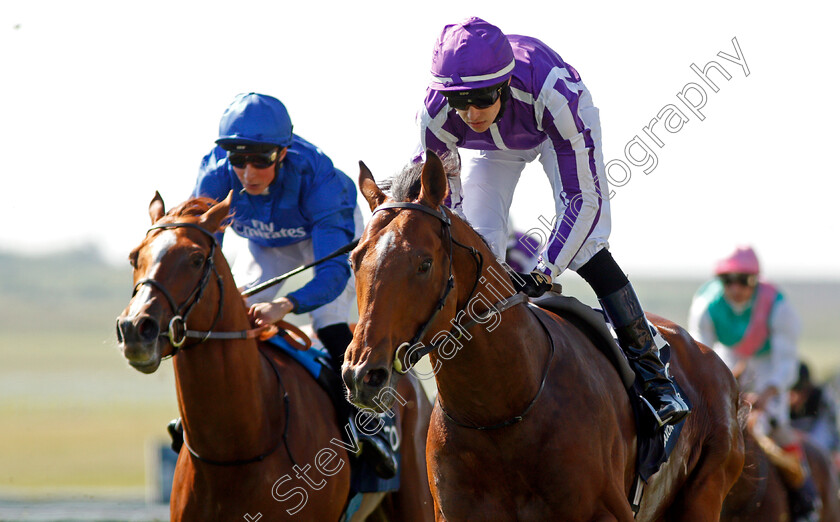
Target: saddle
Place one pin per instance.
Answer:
(654, 446)
(593, 324)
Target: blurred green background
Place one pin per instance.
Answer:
(75, 419)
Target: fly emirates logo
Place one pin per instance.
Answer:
(267, 231)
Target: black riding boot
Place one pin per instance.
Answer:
(627, 317)
(176, 432)
(376, 444)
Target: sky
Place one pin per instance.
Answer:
(105, 102)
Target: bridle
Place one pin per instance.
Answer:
(404, 361)
(178, 333)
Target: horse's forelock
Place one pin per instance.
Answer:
(405, 185)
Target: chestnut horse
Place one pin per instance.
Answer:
(261, 436)
(760, 492)
(531, 421)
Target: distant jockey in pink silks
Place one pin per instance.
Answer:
(754, 329)
(515, 100)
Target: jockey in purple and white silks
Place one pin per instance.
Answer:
(514, 100)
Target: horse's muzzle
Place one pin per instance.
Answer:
(365, 386)
(138, 340)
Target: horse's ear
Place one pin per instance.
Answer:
(156, 208)
(433, 184)
(212, 219)
(372, 193)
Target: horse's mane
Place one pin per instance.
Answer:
(405, 185)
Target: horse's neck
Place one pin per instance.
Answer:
(227, 391)
(499, 366)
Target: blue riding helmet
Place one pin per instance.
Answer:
(255, 119)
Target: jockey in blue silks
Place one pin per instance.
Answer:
(293, 206)
(515, 100)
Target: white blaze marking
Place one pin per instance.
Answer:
(161, 244)
(139, 300)
(383, 246)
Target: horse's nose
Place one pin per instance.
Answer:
(349, 378)
(361, 376)
(143, 329)
(364, 383)
(375, 378)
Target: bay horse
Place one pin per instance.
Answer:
(531, 422)
(261, 436)
(761, 494)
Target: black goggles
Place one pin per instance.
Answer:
(260, 160)
(480, 99)
(740, 279)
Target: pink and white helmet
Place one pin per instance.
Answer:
(742, 261)
(470, 55)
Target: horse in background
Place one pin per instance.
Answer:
(261, 436)
(531, 421)
(762, 494)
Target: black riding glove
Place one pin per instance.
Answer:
(534, 284)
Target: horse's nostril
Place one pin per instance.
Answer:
(376, 377)
(347, 377)
(148, 329)
(120, 338)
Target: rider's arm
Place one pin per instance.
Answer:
(438, 133)
(330, 205)
(214, 179)
(784, 329)
(575, 157)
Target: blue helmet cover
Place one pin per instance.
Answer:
(255, 119)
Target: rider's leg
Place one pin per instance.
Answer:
(336, 338)
(805, 501)
(488, 179)
(634, 334)
(331, 327)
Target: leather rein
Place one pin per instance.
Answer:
(408, 353)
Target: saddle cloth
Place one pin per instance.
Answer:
(362, 477)
(654, 445)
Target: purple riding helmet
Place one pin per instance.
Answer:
(471, 54)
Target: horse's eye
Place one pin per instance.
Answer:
(425, 266)
(196, 260)
(132, 258)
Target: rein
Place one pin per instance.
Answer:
(516, 418)
(404, 361)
